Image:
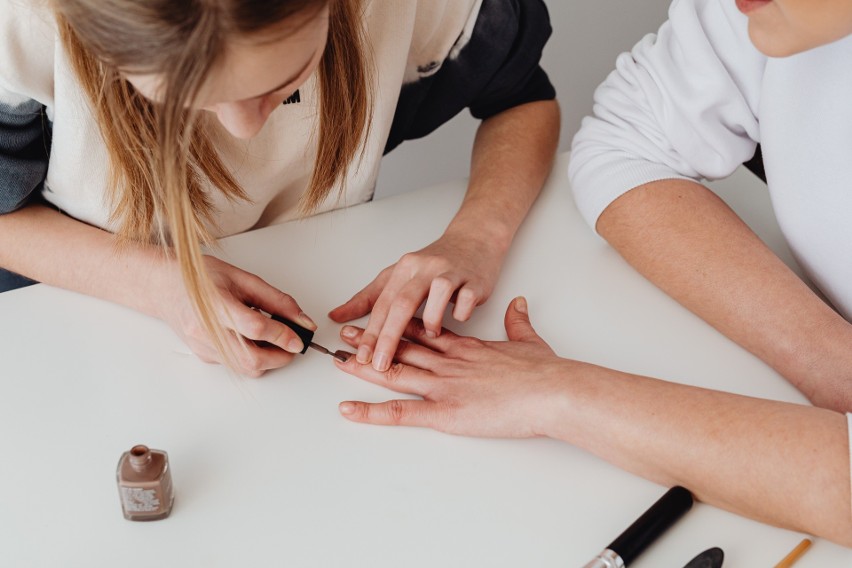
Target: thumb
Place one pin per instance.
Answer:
(517, 322)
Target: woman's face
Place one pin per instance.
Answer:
(779, 28)
(254, 78)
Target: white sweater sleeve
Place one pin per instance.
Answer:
(682, 104)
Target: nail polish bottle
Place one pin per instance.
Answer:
(145, 484)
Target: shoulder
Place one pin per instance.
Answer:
(427, 30)
(27, 46)
(440, 23)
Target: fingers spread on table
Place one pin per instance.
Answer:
(391, 413)
(401, 377)
(416, 331)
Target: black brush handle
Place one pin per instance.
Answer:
(305, 334)
(654, 522)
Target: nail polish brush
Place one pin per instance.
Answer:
(307, 336)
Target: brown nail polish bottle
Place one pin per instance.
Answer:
(145, 484)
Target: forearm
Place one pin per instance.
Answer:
(779, 463)
(511, 159)
(43, 244)
(688, 242)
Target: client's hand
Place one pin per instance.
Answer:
(468, 387)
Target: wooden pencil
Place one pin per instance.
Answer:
(795, 554)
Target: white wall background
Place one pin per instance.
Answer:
(587, 37)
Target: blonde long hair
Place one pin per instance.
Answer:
(161, 154)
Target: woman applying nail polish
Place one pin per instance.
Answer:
(132, 133)
(690, 103)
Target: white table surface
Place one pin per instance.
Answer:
(267, 473)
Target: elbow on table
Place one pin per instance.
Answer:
(843, 536)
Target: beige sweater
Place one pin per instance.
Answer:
(275, 166)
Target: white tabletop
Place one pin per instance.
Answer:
(267, 473)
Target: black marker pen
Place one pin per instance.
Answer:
(638, 536)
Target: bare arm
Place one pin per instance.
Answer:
(50, 247)
(779, 463)
(511, 159)
(43, 244)
(512, 156)
(686, 240)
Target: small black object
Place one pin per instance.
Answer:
(710, 558)
(293, 99)
(654, 522)
(306, 335)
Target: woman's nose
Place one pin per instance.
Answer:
(244, 119)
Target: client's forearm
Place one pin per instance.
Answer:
(779, 463)
(688, 242)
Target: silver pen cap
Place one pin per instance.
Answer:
(606, 559)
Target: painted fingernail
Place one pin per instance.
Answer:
(306, 321)
(346, 408)
(295, 345)
(343, 356)
(381, 362)
(521, 305)
(349, 331)
(364, 354)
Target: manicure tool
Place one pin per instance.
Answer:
(307, 336)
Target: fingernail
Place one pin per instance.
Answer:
(346, 408)
(295, 346)
(521, 305)
(306, 321)
(431, 334)
(349, 331)
(364, 354)
(343, 356)
(381, 362)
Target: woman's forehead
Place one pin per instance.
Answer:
(249, 69)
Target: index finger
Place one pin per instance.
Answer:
(399, 377)
(401, 311)
(260, 294)
(254, 325)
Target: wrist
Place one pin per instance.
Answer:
(580, 399)
(155, 280)
(556, 403)
(822, 369)
(490, 232)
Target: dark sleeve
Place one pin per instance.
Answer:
(24, 151)
(496, 70)
(755, 165)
